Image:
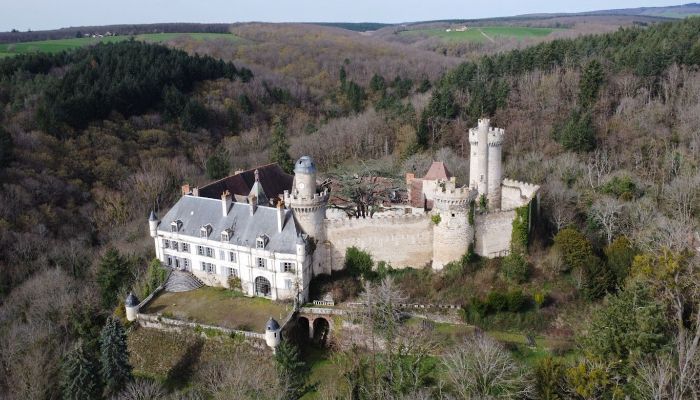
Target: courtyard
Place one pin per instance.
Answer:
(220, 307)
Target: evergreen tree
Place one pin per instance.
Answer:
(114, 356)
(194, 115)
(279, 147)
(599, 279)
(619, 256)
(377, 83)
(343, 77)
(234, 121)
(218, 165)
(173, 102)
(291, 370)
(550, 379)
(590, 84)
(246, 104)
(113, 273)
(79, 375)
(355, 95)
(578, 132)
(6, 146)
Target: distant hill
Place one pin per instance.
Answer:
(680, 11)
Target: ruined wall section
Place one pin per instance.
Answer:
(516, 194)
(400, 240)
(493, 233)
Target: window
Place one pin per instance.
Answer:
(205, 231)
(261, 242)
(186, 263)
(210, 252)
(222, 255)
(175, 226)
(185, 247)
(231, 272)
(260, 262)
(208, 267)
(175, 245)
(166, 243)
(287, 283)
(226, 235)
(169, 261)
(287, 266)
(200, 250)
(232, 256)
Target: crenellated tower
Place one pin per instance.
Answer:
(453, 231)
(309, 208)
(485, 164)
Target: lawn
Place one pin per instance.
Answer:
(218, 306)
(54, 46)
(483, 34)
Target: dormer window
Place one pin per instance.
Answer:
(205, 231)
(226, 235)
(175, 226)
(261, 242)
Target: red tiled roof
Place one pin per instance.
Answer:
(273, 179)
(437, 170)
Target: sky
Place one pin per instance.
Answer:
(52, 14)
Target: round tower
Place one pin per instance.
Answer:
(452, 234)
(473, 159)
(273, 335)
(153, 223)
(132, 307)
(309, 208)
(495, 171)
(482, 149)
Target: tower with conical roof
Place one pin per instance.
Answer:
(309, 207)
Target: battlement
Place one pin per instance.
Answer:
(473, 136)
(294, 200)
(524, 186)
(378, 219)
(517, 194)
(495, 136)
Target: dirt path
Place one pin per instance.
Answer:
(487, 36)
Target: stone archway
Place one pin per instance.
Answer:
(321, 331)
(263, 287)
(304, 331)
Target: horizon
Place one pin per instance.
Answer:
(25, 16)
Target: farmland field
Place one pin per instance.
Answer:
(482, 34)
(53, 46)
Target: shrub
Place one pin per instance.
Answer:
(497, 301)
(436, 219)
(516, 301)
(623, 188)
(575, 248)
(358, 262)
(515, 268)
(234, 282)
(619, 255)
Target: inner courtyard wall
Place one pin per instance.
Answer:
(400, 240)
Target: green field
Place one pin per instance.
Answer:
(53, 46)
(483, 34)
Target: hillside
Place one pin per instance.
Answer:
(605, 286)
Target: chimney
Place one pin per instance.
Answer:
(280, 216)
(410, 177)
(253, 201)
(185, 189)
(225, 202)
(195, 192)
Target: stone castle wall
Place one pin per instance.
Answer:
(516, 194)
(400, 240)
(493, 233)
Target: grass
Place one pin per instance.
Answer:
(218, 306)
(54, 46)
(483, 34)
(174, 358)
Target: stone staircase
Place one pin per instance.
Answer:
(182, 281)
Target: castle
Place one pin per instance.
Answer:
(273, 239)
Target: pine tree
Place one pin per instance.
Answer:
(218, 165)
(114, 356)
(278, 150)
(591, 82)
(291, 370)
(79, 378)
(112, 274)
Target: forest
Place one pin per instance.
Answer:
(91, 140)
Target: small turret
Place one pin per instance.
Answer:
(305, 178)
(132, 307)
(153, 223)
(272, 334)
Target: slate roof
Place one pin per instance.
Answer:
(195, 212)
(273, 179)
(305, 165)
(131, 300)
(437, 170)
(272, 325)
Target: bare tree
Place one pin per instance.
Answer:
(481, 368)
(608, 213)
(560, 203)
(599, 165)
(141, 389)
